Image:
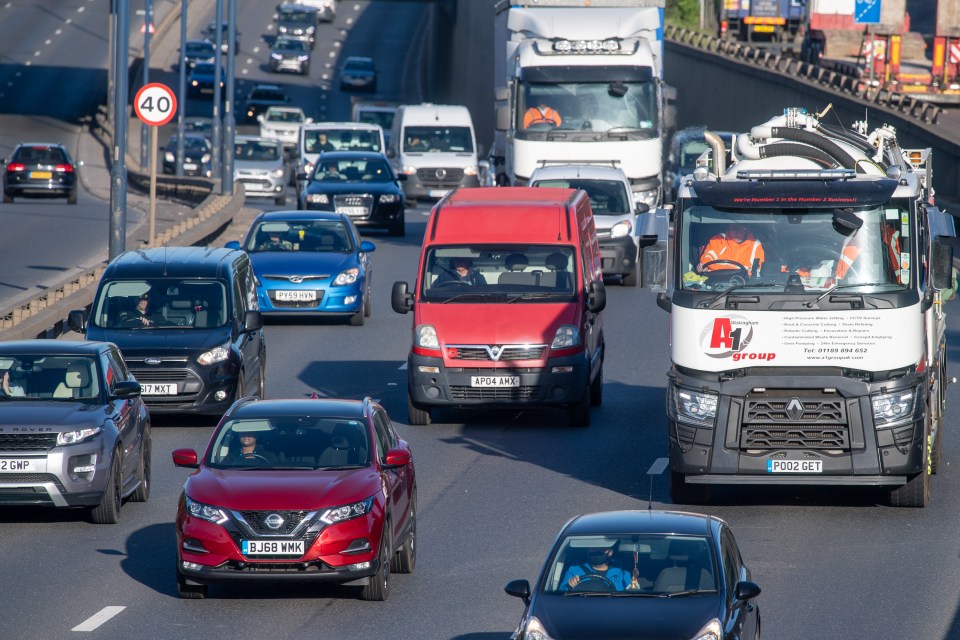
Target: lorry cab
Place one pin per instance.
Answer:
(435, 146)
(507, 305)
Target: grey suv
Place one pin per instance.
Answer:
(73, 429)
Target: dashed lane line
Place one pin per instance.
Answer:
(93, 622)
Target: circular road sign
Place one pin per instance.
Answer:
(155, 104)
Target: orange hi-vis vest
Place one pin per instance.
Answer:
(720, 248)
(852, 250)
(536, 115)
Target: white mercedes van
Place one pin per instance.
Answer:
(435, 146)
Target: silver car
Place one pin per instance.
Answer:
(260, 165)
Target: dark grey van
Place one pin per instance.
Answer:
(188, 324)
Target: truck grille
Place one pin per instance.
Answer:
(498, 352)
(439, 177)
(782, 419)
(27, 442)
(505, 394)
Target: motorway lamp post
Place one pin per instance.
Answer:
(118, 171)
(147, 32)
(182, 93)
(228, 106)
(217, 94)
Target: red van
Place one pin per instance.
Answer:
(507, 304)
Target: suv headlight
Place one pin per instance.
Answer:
(567, 336)
(389, 197)
(276, 56)
(347, 511)
(692, 407)
(217, 354)
(78, 436)
(621, 229)
(347, 277)
(424, 335)
(206, 512)
(647, 197)
(534, 630)
(892, 409)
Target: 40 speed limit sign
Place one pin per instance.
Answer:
(155, 104)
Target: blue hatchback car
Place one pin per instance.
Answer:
(309, 262)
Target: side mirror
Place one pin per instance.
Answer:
(941, 262)
(641, 207)
(186, 458)
(746, 590)
(77, 320)
(308, 121)
(260, 118)
(501, 94)
(252, 321)
(503, 118)
(596, 296)
(402, 177)
(126, 389)
(398, 457)
(301, 175)
(391, 153)
(79, 163)
(233, 244)
(664, 302)
(366, 246)
(400, 298)
(519, 589)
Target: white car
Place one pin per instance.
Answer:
(326, 9)
(283, 124)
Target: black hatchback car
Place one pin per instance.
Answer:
(40, 168)
(359, 184)
(641, 574)
(197, 155)
(261, 98)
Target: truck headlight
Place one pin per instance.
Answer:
(409, 170)
(78, 436)
(347, 277)
(621, 229)
(899, 407)
(692, 407)
(567, 336)
(215, 355)
(647, 197)
(277, 173)
(424, 335)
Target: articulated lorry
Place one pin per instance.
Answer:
(580, 80)
(803, 282)
(763, 22)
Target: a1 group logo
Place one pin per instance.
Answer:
(726, 336)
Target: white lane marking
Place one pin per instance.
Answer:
(658, 467)
(8, 5)
(333, 54)
(325, 76)
(68, 21)
(356, 7)
(36, 54)
(58, 31)
(402, 367)
(47, 41)
(97, 619)
(389, 384)
(349, 20)
(336, 44)
(81, 9)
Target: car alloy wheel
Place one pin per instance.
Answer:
(108, 511)
(379, 586)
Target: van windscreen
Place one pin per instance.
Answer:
(162, 303)
(437, 140)
(498, 274)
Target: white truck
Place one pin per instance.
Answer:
(805, 283)
(593, 71)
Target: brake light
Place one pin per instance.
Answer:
(16, 166)
(64, 168)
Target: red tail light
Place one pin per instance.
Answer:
(64, 168)
(16, 166)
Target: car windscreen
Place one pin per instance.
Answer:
(321, 236)
(356, 64)
(663, 564)
(437, 140)
(205, 69)
(607, 197)
(290, 442)
(320, 140)
(296, 14)
(160, 304)
(382, 118)
(499, 273)
(284, 115)
(200, 48)
(190, 143)
(267, 95)
(353, 171)
(68, 378)
(256, 150)
(290, 45)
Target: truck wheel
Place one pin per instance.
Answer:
(580, 412)
(683, 493)
(937, 452)
(596, 389)
(914, 494)
(630, 279)
(416, 415)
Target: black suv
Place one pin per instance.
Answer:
(261, 98)
(40, 168)
(290, 54)
(188, 322)
(297, 21)
(74, 431)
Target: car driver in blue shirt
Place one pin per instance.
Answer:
(598, 569)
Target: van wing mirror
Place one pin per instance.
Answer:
(596, 296)
(77, 320)
(252, 321)
(400, 298)
(503, 118)
(501, 94)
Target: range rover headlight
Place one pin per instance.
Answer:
(692, 407)
(215, 355)
(78, 436)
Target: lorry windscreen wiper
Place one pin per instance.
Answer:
(755, 285)
(844, 286)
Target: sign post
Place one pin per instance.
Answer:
(155, 105)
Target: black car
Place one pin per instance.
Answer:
(74, 431)
(188, 323)
(297, 21)
(358, 73)
(360, 184)
(261, 98)
(40, 168)
(196, 51)
(201, 79)
(210, 33)
(197, 155)
(290, 54)
(641, 574)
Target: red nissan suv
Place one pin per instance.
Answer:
(298, 490)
